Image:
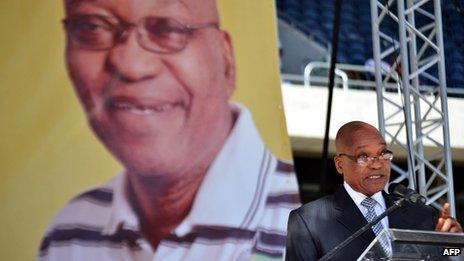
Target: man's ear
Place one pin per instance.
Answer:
(338, 164)
(229, 62)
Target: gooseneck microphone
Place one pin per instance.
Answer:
(408, 194)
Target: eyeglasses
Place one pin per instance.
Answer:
(364, 160)
(155, 34)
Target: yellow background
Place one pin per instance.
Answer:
(47, 152)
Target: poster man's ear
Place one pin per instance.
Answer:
(229, 62)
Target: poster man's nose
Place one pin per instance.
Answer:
(131, 62)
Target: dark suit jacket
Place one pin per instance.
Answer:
(317, 227)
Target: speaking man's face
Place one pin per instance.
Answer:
(372, 177)
(154, 77)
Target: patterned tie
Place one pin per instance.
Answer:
(369, 204)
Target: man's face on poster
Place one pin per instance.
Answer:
(154, 77)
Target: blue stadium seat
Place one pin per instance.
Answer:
(357, 58)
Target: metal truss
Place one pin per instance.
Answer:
(418, 115)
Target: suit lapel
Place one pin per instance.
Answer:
(350, 216)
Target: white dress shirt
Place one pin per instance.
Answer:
(358, 197)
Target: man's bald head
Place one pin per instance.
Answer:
(350, 132)
(199, 9)
(204, 8)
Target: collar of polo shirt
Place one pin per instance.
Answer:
(228, 196)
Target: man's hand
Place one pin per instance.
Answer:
(446, 223)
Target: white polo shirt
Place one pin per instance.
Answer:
(239, 212)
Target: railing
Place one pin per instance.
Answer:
(341, 70)
(312, 65)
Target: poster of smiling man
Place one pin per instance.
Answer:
(184, 97)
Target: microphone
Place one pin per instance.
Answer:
(408, 194)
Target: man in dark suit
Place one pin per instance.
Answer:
(364, 161)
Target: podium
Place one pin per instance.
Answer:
(409, 245)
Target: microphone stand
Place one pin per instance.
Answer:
(398, 204)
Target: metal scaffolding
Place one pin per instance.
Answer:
(418, 116)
